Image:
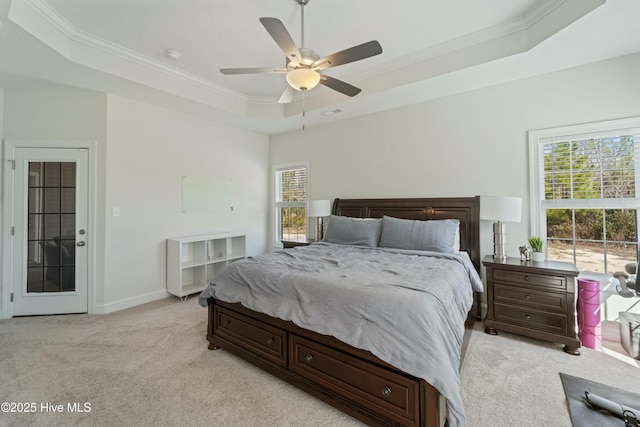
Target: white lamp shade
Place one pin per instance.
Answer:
(318, 208)
(501, 208)
(303, 79)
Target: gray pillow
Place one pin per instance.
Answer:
(434, 235)
(353, 231)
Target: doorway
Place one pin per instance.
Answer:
(48, 250)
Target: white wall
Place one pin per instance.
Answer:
(143, 152)
(50, 112)
(469, 144)
(149, 150)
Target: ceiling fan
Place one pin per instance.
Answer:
(303, 66)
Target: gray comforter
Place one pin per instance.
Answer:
(408, 308)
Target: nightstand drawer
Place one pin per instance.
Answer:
(525, 278)
(533, 319)
(540, 300)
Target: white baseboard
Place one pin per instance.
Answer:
(129, 302)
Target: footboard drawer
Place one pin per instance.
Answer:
(379, 390)
(265, 340)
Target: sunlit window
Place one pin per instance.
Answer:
(584, 182)
(291, 203)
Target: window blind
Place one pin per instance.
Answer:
(593, 168)
(292, 185)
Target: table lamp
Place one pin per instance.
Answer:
(500, 209)
(318, 209)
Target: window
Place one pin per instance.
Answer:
(584, 200)
(291, 202)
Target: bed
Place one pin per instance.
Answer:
(351, 347)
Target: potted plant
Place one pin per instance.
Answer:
(536, 246)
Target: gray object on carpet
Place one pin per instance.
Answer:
(582, 415)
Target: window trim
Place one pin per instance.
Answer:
(537, 139)
(275, 231)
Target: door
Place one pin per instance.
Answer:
(49, 244)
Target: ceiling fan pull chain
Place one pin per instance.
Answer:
(304, 112)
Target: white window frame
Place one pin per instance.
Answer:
(276, 206)
(538, 138)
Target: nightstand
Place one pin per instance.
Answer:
(536, 299)
(287, 244)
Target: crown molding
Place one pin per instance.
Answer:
(540, 10)
(518, 35)
(45, 23)
(543, 20)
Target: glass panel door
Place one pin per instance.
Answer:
(50, 223)
(51, 237)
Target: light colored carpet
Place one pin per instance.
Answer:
(510, 380)
(150, 366)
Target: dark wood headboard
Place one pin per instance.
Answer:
(464, 209)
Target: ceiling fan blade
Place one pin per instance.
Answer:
(287, 95)
(355, 53)
(339, 85)
(228, 71)
(281, 36)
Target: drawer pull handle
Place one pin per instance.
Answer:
(527, 277)
(227, 322)
(527, 316)
(527, 297)
(386, 391)
(308, 358)
(270, 341)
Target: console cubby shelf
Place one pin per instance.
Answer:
(193, 261)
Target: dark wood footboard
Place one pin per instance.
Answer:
(352, 380)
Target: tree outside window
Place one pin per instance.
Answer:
(588, 204)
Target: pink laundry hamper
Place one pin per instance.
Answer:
(588, 311)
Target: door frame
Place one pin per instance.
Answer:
(10, 146)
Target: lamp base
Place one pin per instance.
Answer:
(319, 229)
(499, 241)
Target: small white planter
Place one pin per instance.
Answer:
(537, 256)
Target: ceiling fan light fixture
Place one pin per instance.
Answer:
(303, 65)
(303, 79)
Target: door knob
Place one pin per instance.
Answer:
(80, 243)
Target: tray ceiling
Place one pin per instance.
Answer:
(431, 48)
